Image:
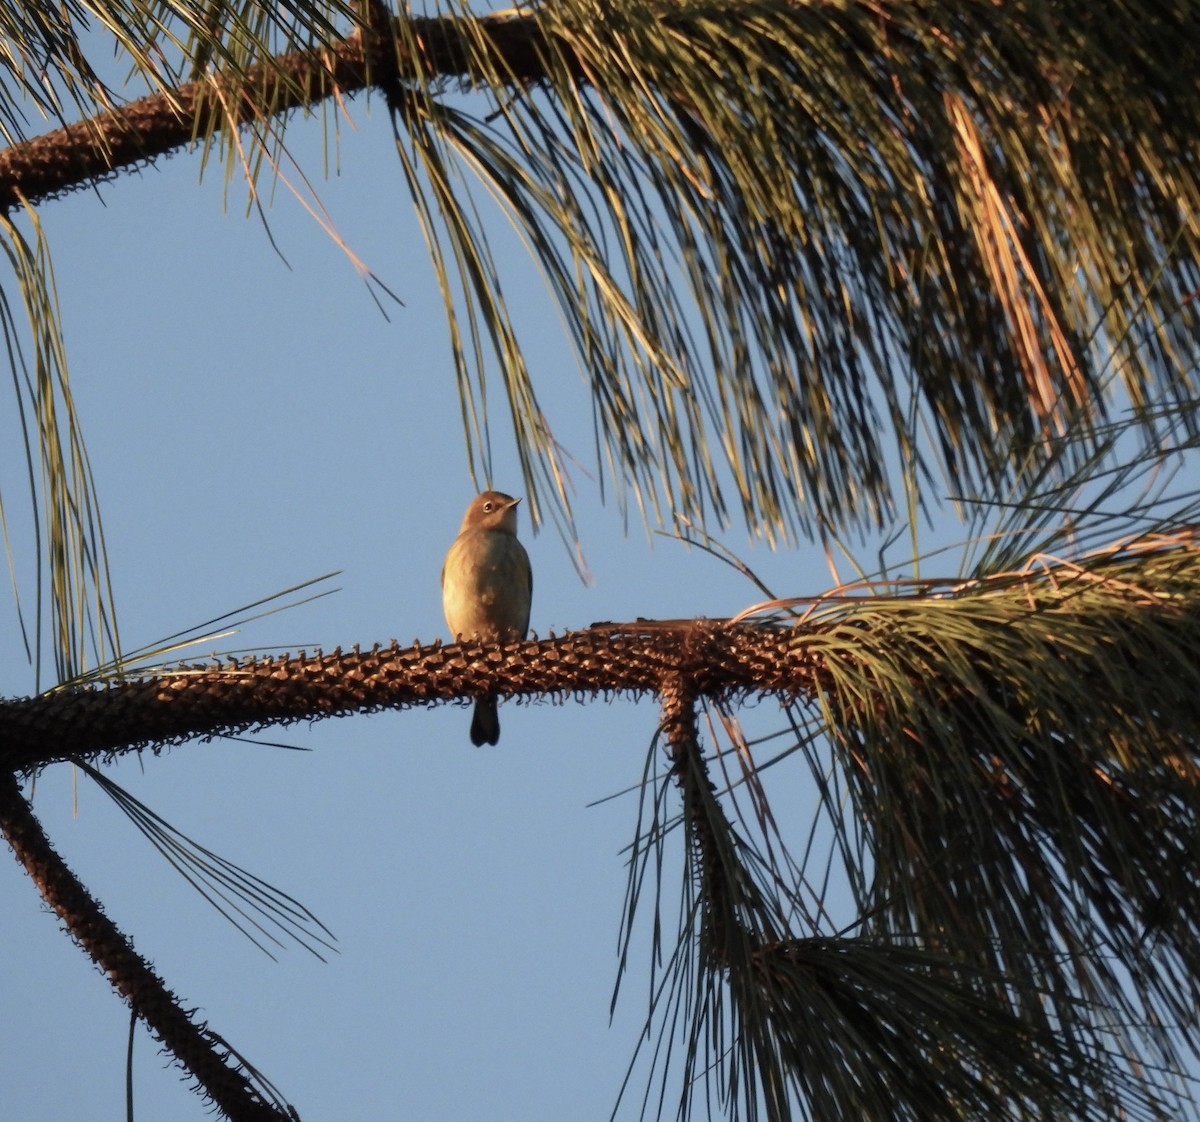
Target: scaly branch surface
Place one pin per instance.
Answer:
(715, 658)
(153, 126)
(219, 1073)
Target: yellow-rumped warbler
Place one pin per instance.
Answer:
(487, 585)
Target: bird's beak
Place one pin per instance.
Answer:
(513, 503)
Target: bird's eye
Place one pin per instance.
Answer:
(488, 506)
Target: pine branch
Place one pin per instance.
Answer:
(223, 1076)
(239, 695)
(1118, 615)
(376, 55)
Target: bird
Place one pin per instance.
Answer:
(487, 586)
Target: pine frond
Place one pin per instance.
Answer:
(765, 1008)
(786, 238)
(72, 620)
(1020, 757)
(792, 244)
(261, 912)
(58, 59)
(162, 655)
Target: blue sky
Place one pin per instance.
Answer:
(252, 424)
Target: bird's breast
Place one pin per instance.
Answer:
(485, 586)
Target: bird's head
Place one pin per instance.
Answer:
(492, 510)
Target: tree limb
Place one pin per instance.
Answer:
(222, 1075)
(207, 701)
(83, 153)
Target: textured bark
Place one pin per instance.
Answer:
(82, 154)
(219, 1073)
(715, 659)
(705, 824)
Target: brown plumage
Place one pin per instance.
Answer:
(487, 586)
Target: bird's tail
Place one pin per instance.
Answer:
(485, 725)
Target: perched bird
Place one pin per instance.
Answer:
(487, 585)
